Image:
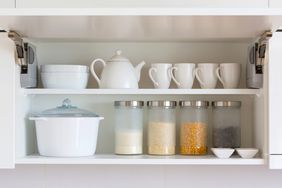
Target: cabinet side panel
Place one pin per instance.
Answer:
(275, 93)
(7, 101)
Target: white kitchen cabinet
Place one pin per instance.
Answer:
(275, 4)
(7, 4)
(275, 91)
(7, 100)
(144, 3)
(173, 39)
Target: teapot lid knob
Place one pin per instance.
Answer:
(118, 52)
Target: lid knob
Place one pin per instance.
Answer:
(118, 52)
(66, 103)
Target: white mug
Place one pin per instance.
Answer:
(229, 75)
(160, 75)
(183, 75)
(206, 75)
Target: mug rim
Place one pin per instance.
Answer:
(161, 64)
(213, 64)
(230, 64)
(184, 64)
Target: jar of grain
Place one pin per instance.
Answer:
(193, 127)
(129, 127)
(161, 127)
(226, 124)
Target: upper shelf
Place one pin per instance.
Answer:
(160, 25)
(142, 91)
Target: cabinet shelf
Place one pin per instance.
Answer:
(142, 91)
(141, 160)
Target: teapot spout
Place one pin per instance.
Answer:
(138, 70)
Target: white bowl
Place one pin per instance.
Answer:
(64, 76)
(247, 153)
(223, 153)
(61, 80)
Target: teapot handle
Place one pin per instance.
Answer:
(93, 70)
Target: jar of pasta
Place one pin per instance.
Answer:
(193, 127)
(161, 127)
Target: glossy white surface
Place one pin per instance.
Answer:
(143, 91)
(229, 75)
(66, 137)
(275, 91)
(7, 101)
(117, 73)
(160, 75)
(64, 68)
(206, 75)
(183, 75)
(223, 153)
(142, 160)
(247, 153)
(145, 3)
(64, 80)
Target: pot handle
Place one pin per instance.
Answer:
(38, 118)
(93, 70)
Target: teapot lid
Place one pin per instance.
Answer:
(119, 57)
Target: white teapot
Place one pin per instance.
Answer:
(118, 73)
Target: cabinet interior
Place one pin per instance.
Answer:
(82, 52)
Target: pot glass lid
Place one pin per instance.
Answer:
(66, 110)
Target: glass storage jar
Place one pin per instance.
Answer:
(129, 127)
(161, 127)
(226, 124)
(193, 127)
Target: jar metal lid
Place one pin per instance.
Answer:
(226, 103)
(165, 104)
(194, 103)
(129, 103)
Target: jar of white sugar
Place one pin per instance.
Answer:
(129, 127)
(161, 127)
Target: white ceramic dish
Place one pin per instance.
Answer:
(223, 153)
(66, 131)
(64, 76)
(247, 153)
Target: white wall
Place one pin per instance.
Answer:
(99, 176)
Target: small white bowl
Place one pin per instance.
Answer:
(247, 153)
(223, 153)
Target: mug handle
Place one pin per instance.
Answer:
(172, 75)
(196, 72)
(151, 70)
(93, 70)
(218, 75)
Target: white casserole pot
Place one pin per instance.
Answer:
(64, 76)
(66, 131)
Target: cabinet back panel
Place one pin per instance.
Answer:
(178, 52)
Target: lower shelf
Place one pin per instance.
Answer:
(141, 160)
